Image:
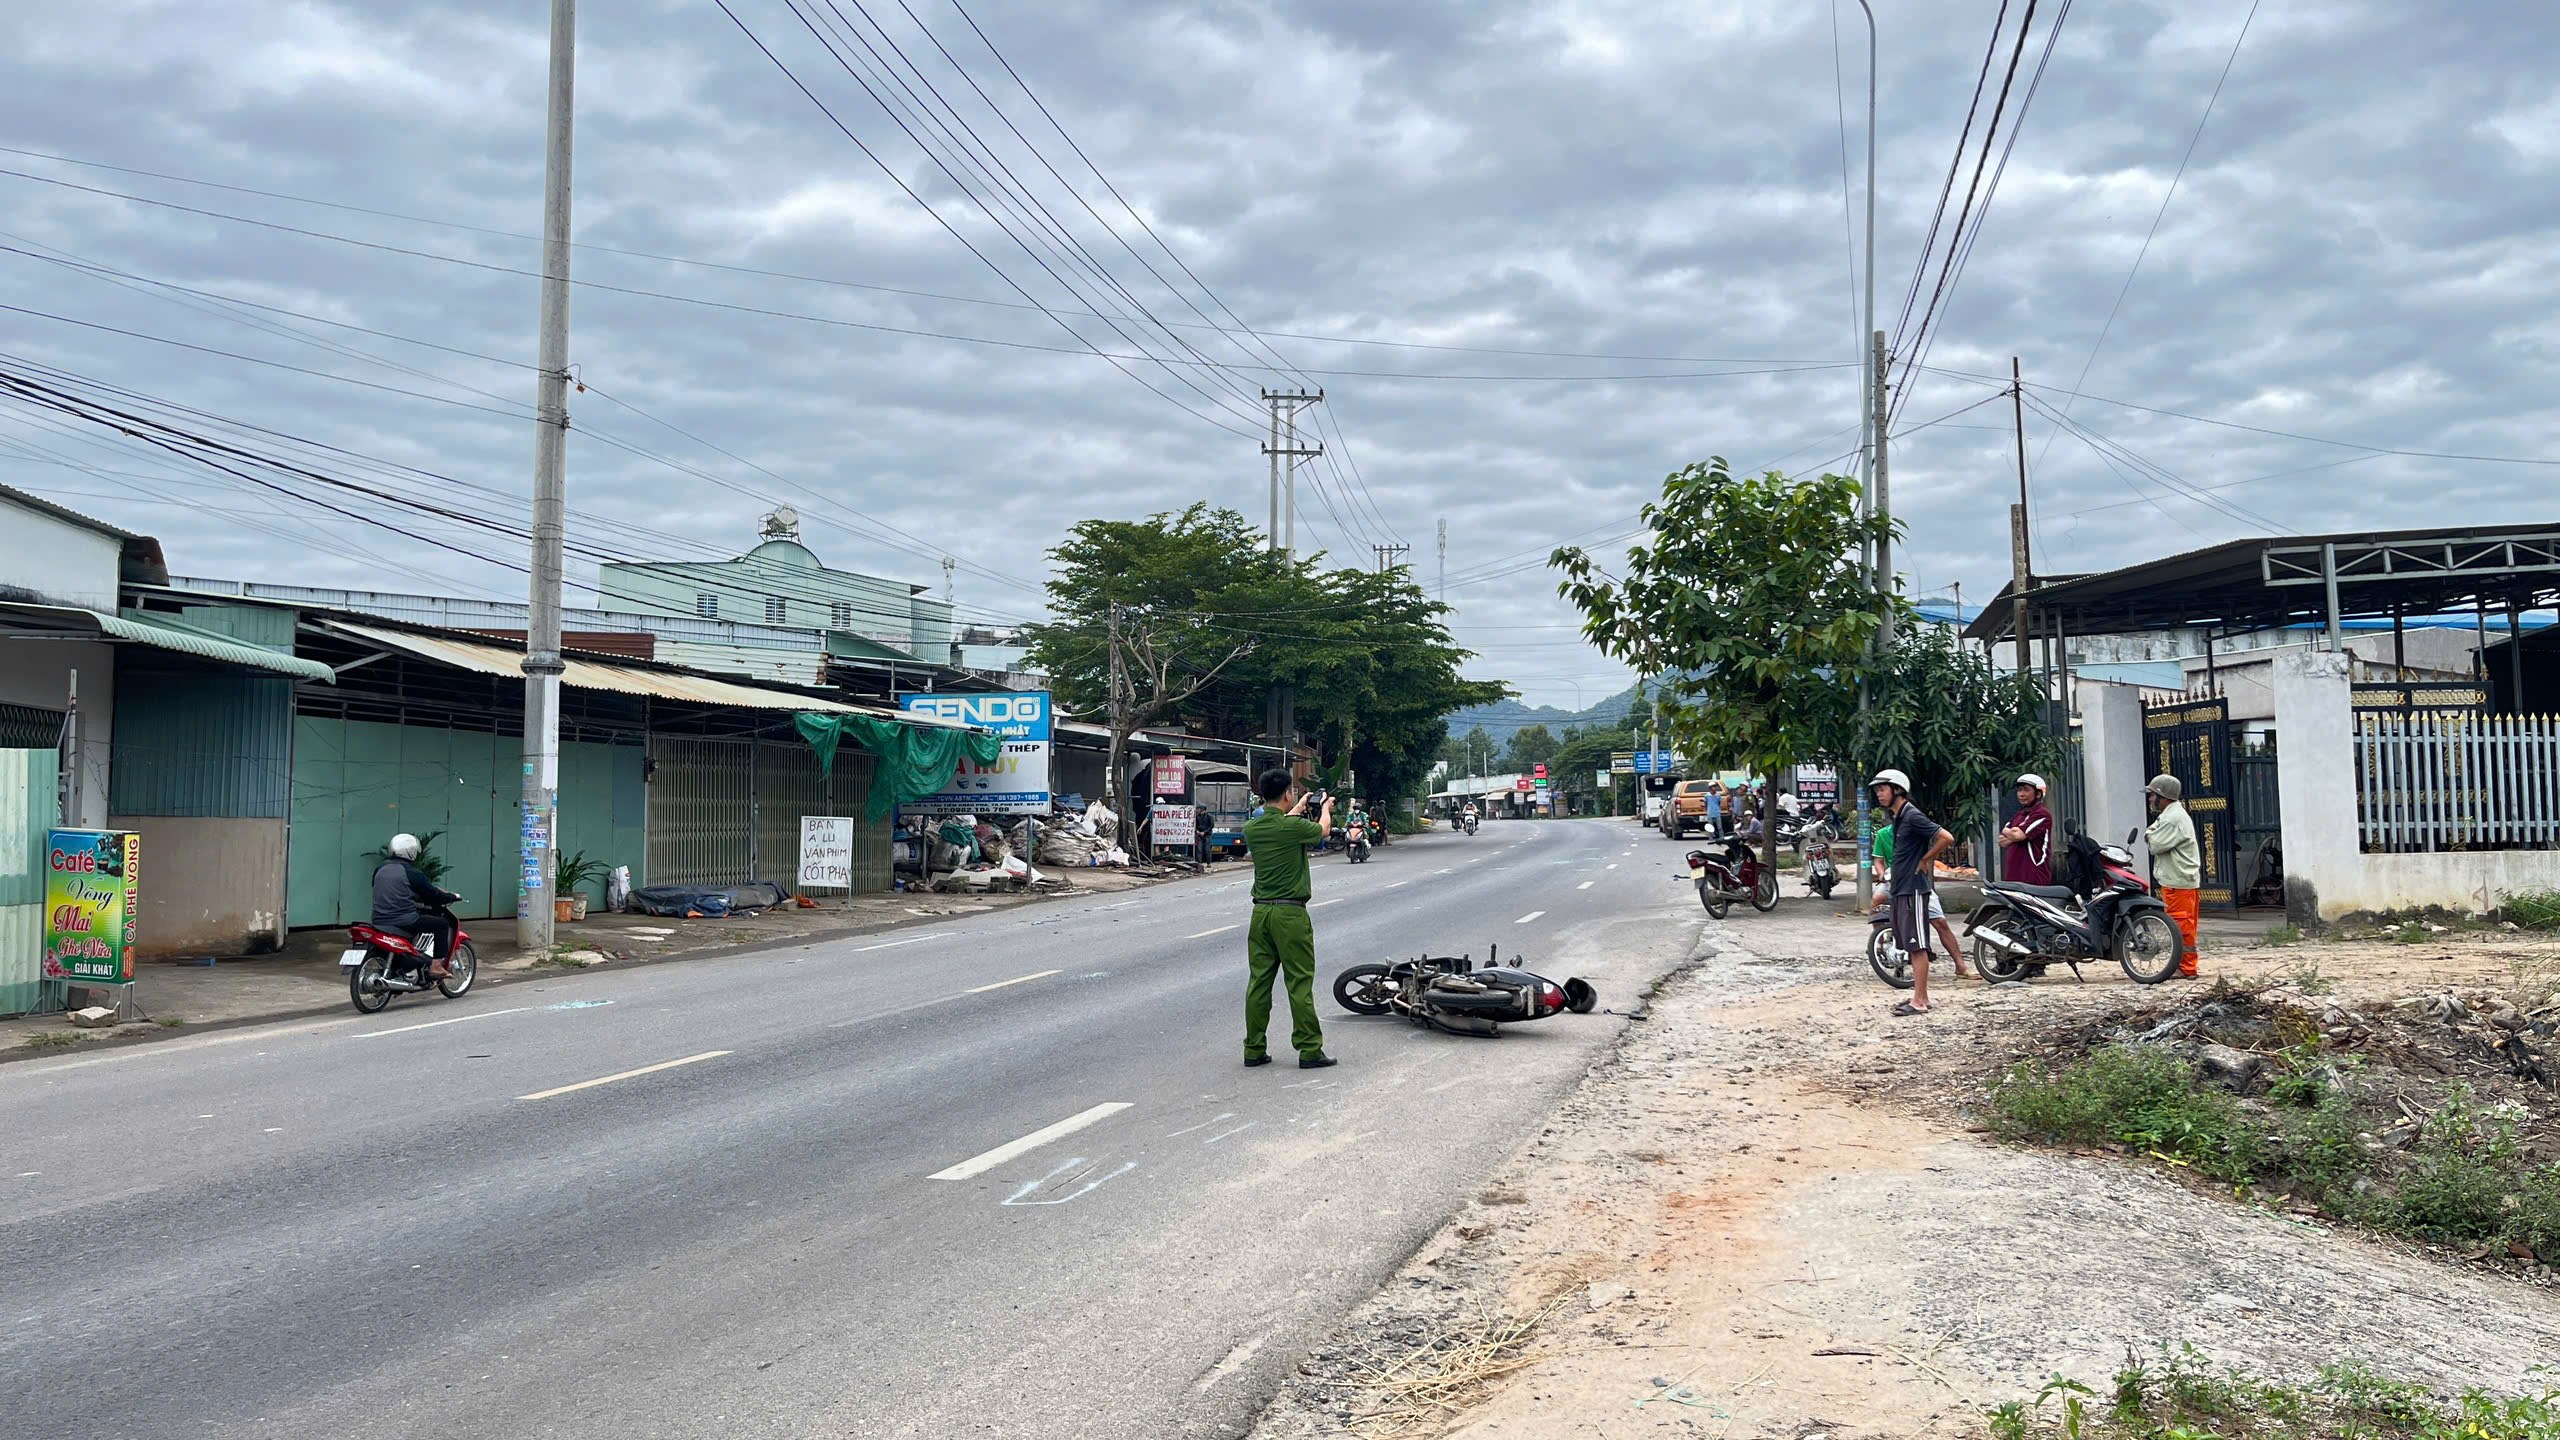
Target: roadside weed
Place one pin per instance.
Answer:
(2412, 933)
(2539, 910)
(53, 1039)
(2306, 978)
(2283, 935)
(2180, 1394)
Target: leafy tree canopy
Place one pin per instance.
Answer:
(1369, 655)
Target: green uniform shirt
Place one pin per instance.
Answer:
(1279, 842)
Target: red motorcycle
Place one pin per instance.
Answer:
(380, 965)
(1735, 875)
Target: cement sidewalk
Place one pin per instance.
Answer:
(304, 978)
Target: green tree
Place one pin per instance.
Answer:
(1208, 622)
(1751, 605)
(1530, 745)
(1962, 728)
(1470, 753)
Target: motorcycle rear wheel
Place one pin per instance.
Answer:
(1364, 989)
(1764, 894)
(364, 983)
(1890, 964)
(1717, 906)
(2149, 947)
(465, 964)
(1997, 966)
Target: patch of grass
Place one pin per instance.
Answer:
(2412, 933)
(53, 1039)
(2465, 1180)
(2282, 935)
(2179, 1394)
(2539, 910)
(169, 1022)
(2145, 1099)
(2306, 979)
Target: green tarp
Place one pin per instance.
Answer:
(914, 761)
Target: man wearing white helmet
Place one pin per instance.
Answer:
(1918, 841)
(407, 903)
(2027, 840)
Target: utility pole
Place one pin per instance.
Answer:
(1877, 415)
(1443, 595)
(1390, 556)
(542, 666)
(1285, 405)
(2021, 562)
(1884, 493)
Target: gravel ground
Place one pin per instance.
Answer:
(1767, 1214)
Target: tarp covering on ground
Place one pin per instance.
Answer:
(913, 763)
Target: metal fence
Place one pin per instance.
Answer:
(2456, 780)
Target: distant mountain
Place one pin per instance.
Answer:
(1503, 717)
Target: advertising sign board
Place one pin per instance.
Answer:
(92, 894)
(1175, 824)
(1172, 777)
(826, 852)
(1524, 783)
(1817, 784)
(1018, 782)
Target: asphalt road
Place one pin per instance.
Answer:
(803, 1192)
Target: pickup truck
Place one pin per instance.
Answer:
(1684, 809)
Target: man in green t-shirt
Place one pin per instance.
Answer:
(1281, 941)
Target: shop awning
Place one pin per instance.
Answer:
(162, 633)
(657, 683)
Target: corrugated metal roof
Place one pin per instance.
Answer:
(167, 635)
(620, 679)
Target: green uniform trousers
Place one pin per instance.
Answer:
(1281, 941)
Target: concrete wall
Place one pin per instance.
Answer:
(62, 563)
(2466, 880)
(2316, 787)
(210, 886)
(38, 673)
(2111, 763)
(2327, 873)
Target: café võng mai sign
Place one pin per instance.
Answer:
(92, 894)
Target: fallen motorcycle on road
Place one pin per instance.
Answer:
(1449, 993)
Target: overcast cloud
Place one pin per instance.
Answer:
(2360, 250)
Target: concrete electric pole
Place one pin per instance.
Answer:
(1443, 595)
(542, 666)
(1390, 556)
(1285, 453)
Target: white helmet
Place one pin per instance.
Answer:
(404, 847)
(1894, 778)
(2035, 780)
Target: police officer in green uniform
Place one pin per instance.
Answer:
(1281, 941)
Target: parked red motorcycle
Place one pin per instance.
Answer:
(1735, 875)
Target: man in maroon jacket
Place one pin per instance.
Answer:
(2028, 840)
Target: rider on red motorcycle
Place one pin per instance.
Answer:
(408, 904)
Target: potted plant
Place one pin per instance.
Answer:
(570, 875)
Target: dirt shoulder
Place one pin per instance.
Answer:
(1767, 1214)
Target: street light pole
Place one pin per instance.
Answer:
(1867, 446)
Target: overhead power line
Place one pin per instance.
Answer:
(2188, 155)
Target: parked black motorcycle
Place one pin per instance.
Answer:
(2019, 929)
(1449, 993)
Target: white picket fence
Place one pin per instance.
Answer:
(2451, 780)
